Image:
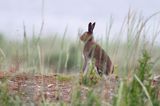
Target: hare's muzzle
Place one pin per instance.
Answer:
(82, 37)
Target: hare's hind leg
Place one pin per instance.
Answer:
(105, 72)
(98, 68)
(102, 74)
(98, 71)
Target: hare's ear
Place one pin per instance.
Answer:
(90, 27)
(93, 25)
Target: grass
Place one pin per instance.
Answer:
(91, 78)
(139, 91)
(61, 77)
(134, 52)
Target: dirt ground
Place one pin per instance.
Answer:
(35, 88)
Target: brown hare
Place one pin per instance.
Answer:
(92, 51)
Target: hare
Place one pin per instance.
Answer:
(92, 51)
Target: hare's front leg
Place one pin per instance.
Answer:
(85, 65)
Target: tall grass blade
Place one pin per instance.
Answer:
(145, 90)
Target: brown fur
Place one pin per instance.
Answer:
(93, 51)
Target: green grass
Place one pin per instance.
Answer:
(62, 77)
(91, 78)
(139, 91)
